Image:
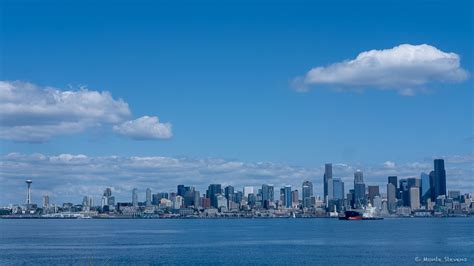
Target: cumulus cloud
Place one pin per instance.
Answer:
(68, 177)
(143, 128)
(405, 68)
(31, 113)
(389, 164)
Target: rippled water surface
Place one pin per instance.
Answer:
(235, 241)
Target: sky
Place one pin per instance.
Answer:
(155, 93)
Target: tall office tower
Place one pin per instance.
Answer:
(180, 190)
(238, 196)
(414, 198)
(439, 178)
(393, 180)
(212, 192)
(425, 188)
(295, 197)
(359, 190)
(307, 193)
(197, 199)
(135, 197)
(267, 193)
(338, 188)
(45, 201)
(373, 191)
(286, 196)
(391, 197)
(28, 192)
(328, 185)
(178, 202)
(229, 193)
(148, 197)
(189, 196)
(111, 202)
(404, 192)
(247, 191)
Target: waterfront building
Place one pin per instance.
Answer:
(328, 183)
(338, 189)
(135, 197)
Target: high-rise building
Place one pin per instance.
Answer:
(393, 180)
(267, 194)
(404, 192)
(229, 193)
(338, 188)
(359, 190)
(148, 197)
(286, 196)
(328, 183)
(295, 197)
(414, 198)
(180, 190)
(307, 193)
(391, 197)
(439, 178)
(373, 191)
(135, 197)
(45, 201)
(425, 188)
(212, 192)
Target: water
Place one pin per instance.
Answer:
(234, 241)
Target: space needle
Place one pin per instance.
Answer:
(28, 195)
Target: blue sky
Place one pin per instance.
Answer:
(221, 74)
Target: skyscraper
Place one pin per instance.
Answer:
(373, 191)
(328, 184)
(229, 193)
(295, 197)
(404, 192)
(212, 192)
(307, 193)
(45, 201)
(338, 188)
(286, 196)
(135, 197)
(267, 193)
(359, 190)
(414, 198)
(439, 178)
(391, 197)
(425, 188)
(148, 197)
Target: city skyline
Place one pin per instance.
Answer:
(317, 185)
(151, 95)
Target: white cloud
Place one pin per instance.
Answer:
(405, 68)
(389, 164)
(68, 177)
(30, 113)
(145, 127)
